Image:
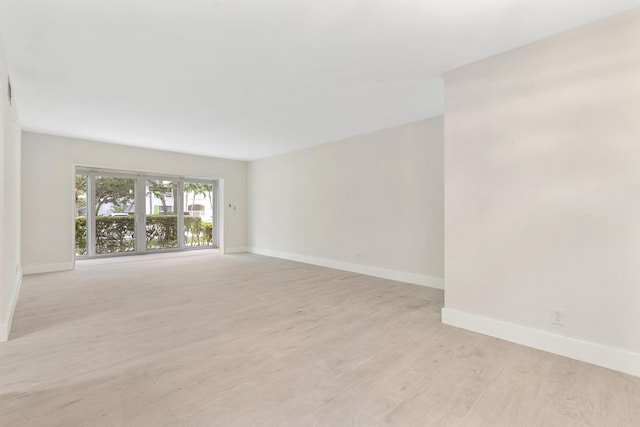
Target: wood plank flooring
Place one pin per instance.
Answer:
(200, 339)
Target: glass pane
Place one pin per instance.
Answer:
(198, 214)
(115, 219)
(161, 217)
(81, 215)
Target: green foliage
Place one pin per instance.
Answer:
(81, 195)
(110, 189)
(197, 232)
(113, 234)
(81, 184)
(117, 233)
(162, 231)
(194, 189)
(159, 188)
(197, 188)
(81, 235)
(208, 232)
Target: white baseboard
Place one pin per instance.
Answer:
(238, 250)
(5, 328)
(585, 351)
(4, 332)
(47, 268)
(400, 276)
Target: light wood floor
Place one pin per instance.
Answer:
(199, 339)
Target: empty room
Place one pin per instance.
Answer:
(320, 213)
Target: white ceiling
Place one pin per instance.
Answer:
(246, 79)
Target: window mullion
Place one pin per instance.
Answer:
(140, 214)
(91, 215)
(215, 220)
(179, 202)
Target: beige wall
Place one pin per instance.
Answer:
(10, 269)
(542, 193)
(372, 203)
(48, 182)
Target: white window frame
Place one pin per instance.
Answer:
(140, 180)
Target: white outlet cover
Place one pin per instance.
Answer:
(558, 316)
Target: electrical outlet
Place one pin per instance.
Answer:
(558, 316)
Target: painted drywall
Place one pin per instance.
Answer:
(542, 193)
(48, 183)
(372, 203)
(10, 269)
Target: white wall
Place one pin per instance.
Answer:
(372, 204)
(542, 193)
(48, 182)
(10, 269)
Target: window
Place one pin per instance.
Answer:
(198, 198)
(175, 213)
(114, 222)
